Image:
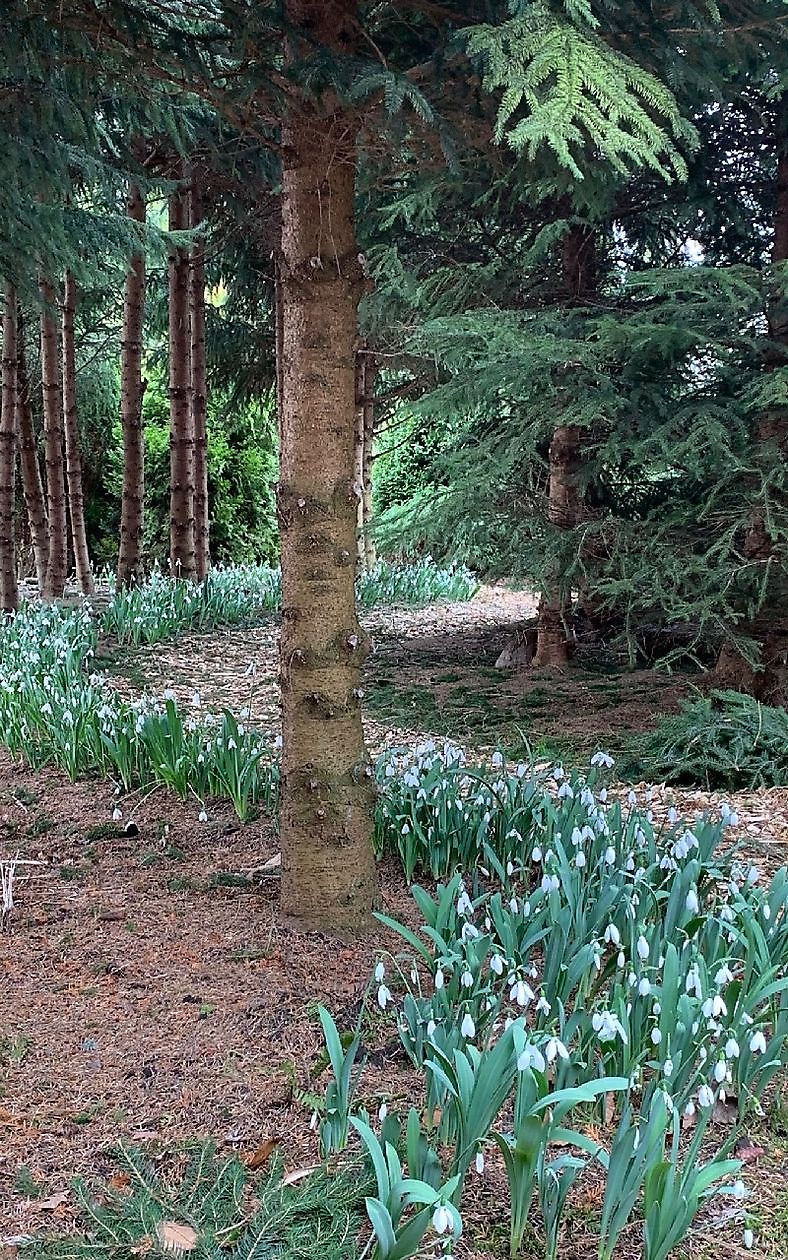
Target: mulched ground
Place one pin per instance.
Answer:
(149, 993)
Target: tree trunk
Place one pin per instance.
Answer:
(32, 484)
(358, 462)
(132, 392)
(57, 559)
(181, 431)
(564, 505)
(767, 680)
(76, 503)
(329, 881)
(370, 376)
(9, 591)
(197, 393)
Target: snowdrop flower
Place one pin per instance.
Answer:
(739, 1189)
(656, 1036)
(531, 1057)
(610, 855)
(644, 988)
(753, 875)
(383, 1111)
(720, 1071)
(565, 792)
(555, 1048)
(384, 996)
(441, 1219)
(705, 1096)
(380, 972)
(464, 904)
(749, 1239)
(469, 932)
(202, 816)
(602, 759)
(543, 1006)
(536, 855)
(513, 905)
(479, 1162)
(496, 964)
(643, 948)
(668, 1068)
(758, 1043)
(466, 980)
(689, 1110)
(580, 860)
(621, 960)
(313, 1122)
(723, 976)
(467, 1027)
(117, 814)
(550, 883)
(496, 761)
(612, 935)
(693, 904)
(713, 1007)
(522, 993)
(607, 1026)
(439, 978)
(558, 773)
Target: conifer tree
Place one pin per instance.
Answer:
(32, 486)
(9, 593)
(57, 555)
(182, 554)
(76, 507)
(132, 390)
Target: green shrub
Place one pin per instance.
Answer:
(723, 740)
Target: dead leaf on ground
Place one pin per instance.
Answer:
(298, 1174)
(119, 1181)
(746, 1150)
(54, 1201)
(259, 1157)
(176, 1237)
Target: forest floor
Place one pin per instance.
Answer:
(150, 995)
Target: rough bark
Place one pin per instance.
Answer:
(358, 461)
(368, 416)
(9, 590)
(76, 502)
(32, 485)
(197, 394)
(181, 432)
(132, 392)
(329, 880)
(767, 678)
(564, 503)
(57, 558)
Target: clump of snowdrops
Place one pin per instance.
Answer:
(162, 608)
(590, 958)
(54, 710)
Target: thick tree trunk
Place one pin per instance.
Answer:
(197, 393)
(32, 485)
(564, 503)
(329, 880)
(370, 376)
(358, 460)
(76, 502)
(132, 391)
(9, 590)
(57, 557)
(181, 431)
(768, 679)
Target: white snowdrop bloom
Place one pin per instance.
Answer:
(557, 773)
(479, 1162)
(621, 960)
(748, 1239)
(469, 932)
(739, 1189)
(612, 935)
(603, 795)
(689, 1110)
(758, 1043)
(467, 1027)
(383, 1111)
(526, 909)
(726, 913)
(117, 814)
(496, 964)
(531, 1057)
(405, 829)
(384, 996)
(514, 905)
(565, 792)
(713, 1007)
(313, 1121)
(431, 1026)
(380, 972)
(753, 875)
(602, 759)
(720, 1071)
(554, 1049)
(636, 1140)
(466, 980)
(703, 1054)
(723, 976)
(644, 988)
(577, 837)
(657, 1008)
(767, 913)
(439, 978)
(441, 1219)
(630, 865)
(510, 868)
(643, 948)
(598, 961)
(522, 993)
(414, 976)
(668, 1068)
(522, 770)
(610, 855)
(693, 904)
(543, 1006)
(733, 819)
(580, 860)
(536, 855)
(607, 1026)
(464, 904)
(705, 1096)
(202, 816)
(496, 761)
(587, 799)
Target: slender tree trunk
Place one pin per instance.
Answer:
(9, 590)
(329, 880)
(358, 476)
(33, 488)
(57, 559)
(181, 431)
(197, 393)
(564, 504)
(76, 502)
(370, 376)
(132, 392)
(768, 679)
